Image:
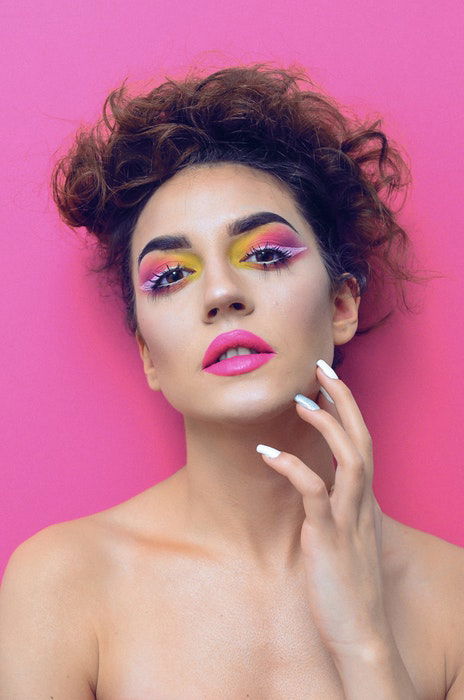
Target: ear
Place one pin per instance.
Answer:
(148, 366)
(345, 311)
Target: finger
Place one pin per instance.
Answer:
(312, 488)
(350, 415)
(350, 475)
(325, 401)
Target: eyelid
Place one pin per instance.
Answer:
(269, 238)
(156, 263)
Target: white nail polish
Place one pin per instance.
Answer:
(306, 402)
(326, 394)
(327, 369)
(268, 451)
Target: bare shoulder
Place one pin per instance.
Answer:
(435, 573)
(79, 551)
(47, 604)
(74, 556)
(53, 594)
(423, 543)
(59, 554)
(440, 561)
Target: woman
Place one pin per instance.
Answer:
(244, 218)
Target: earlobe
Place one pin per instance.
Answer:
(148, 366)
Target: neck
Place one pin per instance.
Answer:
(233, 501)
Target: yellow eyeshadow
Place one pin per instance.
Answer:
(242, 246)
(188, 259)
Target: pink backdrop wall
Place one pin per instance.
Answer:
(80, 429)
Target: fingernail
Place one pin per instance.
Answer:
(326, 394)
(268, 451)
(327, 369)
(307, 403)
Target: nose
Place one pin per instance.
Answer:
(224, 293)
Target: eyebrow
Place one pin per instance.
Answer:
(234, 228)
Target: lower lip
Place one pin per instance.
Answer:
(239, 364)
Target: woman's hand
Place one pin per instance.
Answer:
(341, 537)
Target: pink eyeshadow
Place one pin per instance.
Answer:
(279, 237)
(152, 267)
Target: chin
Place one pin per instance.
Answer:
(242, 408)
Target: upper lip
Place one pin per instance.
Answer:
(233, 339)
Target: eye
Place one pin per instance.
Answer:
(265, 254)
(171, 277)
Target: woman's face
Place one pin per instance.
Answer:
(221, 283)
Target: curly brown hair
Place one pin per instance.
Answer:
(344, 174)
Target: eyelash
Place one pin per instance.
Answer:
(157, 288)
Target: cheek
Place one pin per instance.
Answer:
(307, 321)
(306, 300)
(166, 334)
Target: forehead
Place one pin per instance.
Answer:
(202, 198)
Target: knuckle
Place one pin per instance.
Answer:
(291, 461)
(345, 390)
(367, 520)
(317, 488)
(358, 472)
(367, 438)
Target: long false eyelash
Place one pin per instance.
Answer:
(276, 263)
(157, 289)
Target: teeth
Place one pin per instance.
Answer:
(231, 352)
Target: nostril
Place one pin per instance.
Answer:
(236, 305)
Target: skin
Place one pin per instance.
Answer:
(294, 515)
(233, 502)
(239, 576)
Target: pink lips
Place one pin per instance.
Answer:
(240, 363)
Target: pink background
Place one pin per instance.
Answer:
(80, 429)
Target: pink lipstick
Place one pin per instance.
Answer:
(239, 364)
